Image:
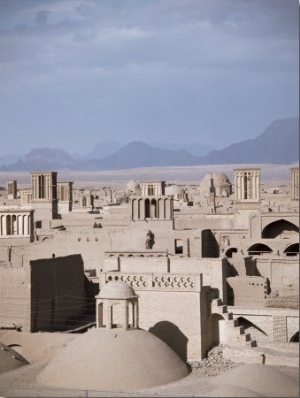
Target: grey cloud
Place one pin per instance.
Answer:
(42, 17)
(173, 64)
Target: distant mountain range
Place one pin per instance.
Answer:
(278, 144)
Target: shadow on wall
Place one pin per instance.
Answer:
(173, 336)
(230, 295)
(210, 246)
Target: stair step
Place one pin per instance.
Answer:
(242, 329)
(248, 337)
(218, 302)
(230, 316)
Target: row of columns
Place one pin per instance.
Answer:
(105, 307)
(15, 224)
(247, 184)
(156, 208)
(43, 185)
(152, 188)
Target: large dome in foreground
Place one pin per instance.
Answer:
(114, 359)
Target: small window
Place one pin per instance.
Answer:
(178, 246)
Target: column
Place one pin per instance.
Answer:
(20, 225)
(136, 313)
(4, 225)
(142, 209)
(125, 315)
(109, 317)
(26, 225)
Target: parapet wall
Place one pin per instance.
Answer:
(156, 281)
(249, 291)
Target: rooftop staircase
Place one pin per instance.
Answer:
(234, 333)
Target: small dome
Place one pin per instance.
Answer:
(219, 178)
(117, 290)
(133, 186)
(221, 184)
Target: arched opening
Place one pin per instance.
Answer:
(229, 251)
(295, 338)
(178, 246)
(130, 315)
(100, 320)
(9, 227)
(292, 250)
(256, 332)
(140, 209)
(258, 248)
(245, 182)
(117, 320)
(147, 208)
(280, 228)
(154, 212)
(217, 324)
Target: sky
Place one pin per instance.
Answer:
(74, 73)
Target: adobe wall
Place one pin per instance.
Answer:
(213, 272)
(174, 317)
(259, 221)
(203, 221)
(156, 264)
(15, 298)
(271, 324)
(249, 291)
(170, 308)
(279, 271)
(242, 215)
(57, 291)
(92, 243)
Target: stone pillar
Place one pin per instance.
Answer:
(125, 326)
(11, 189)
(136, 314)
(142, 209)
(109, 317)
(295, 182)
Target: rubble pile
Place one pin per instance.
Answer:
(214, 364)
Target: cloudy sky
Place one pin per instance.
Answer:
(74, 73)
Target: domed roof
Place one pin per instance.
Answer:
(174, 190)
(117, 290)
(219, 178)
(10, 359)
(133, 186)
(114, 359)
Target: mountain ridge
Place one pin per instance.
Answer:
(277, 144)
